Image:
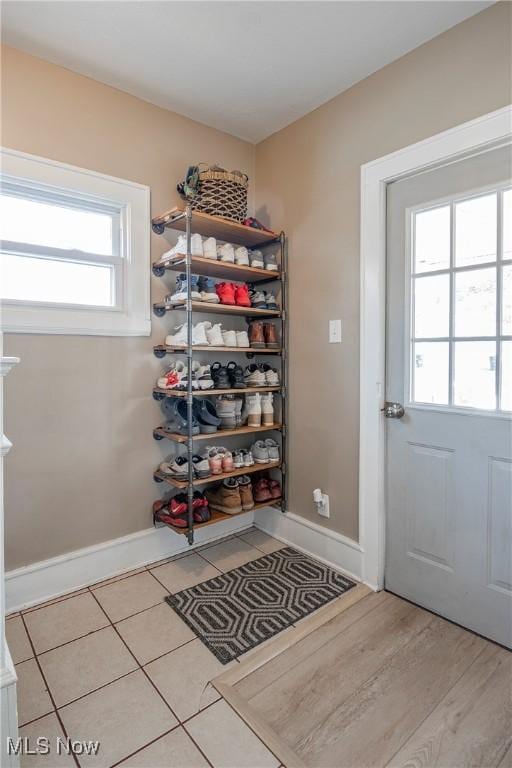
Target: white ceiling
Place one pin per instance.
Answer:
(248, 68)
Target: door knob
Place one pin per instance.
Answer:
(393, 410)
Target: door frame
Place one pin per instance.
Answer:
(485, 132)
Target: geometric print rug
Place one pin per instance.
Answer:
(242, 608)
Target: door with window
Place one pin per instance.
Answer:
(449, 364)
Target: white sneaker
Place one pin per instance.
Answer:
(199, 333)
(196, 245)
(252, 410)
(242, 256)
(256, 259)
(267, 409)
(214, 335)
(242, 339)
(229, 338)
(210, 248)
(226, 252)
(180, 249)
(178, 337)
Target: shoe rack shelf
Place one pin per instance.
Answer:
(161, 477)
(218, 517)
(161, 350)
(161, 308)
(160, 433)
(221, 270)
(183, 219)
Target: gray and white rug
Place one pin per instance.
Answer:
(242, 608)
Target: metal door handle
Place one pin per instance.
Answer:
(393, 410)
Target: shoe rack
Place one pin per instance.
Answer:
(193, 222)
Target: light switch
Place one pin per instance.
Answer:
(334, 331)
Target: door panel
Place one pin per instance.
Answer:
(449, 459)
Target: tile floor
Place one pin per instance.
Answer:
(114, 663)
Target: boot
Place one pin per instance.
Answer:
(256, 336)
(245, 488)
(225, 498)
(226, 411)
(270, 335)
(252, 410)
(267, 409)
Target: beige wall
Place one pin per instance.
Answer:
(79, 409)
(308, 181)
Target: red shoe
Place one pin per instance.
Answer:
(176, 522)
(261, 491)
(178, 505)
(242, 295)
(275, 489)
(226, 293)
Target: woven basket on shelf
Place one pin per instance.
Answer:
(222, 193)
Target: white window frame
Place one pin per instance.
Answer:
(452, 270)
(131, 314)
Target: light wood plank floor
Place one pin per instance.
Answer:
(385, 683)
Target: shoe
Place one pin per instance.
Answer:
(270, 262)
(273, 449)
(242, 339)
(180, 291)
(181, 521)
(260, 452)
(206, 416)
(270, 300)
(204, 377)
(271, 375)
(256, 259)
(210, 248)
(238, 459)
(261, 491)
(179, 336)
(226, 252)
(175, 411)
(254, 376)
(227, 462)
(226, 293)
(171, 377)
(242, 256)
(179, 249)
(226, 497)
(258, 299)
(175, 467)
(184, 379)
(256, 337)
(201, 466)
(242, 295)
(238, 410)
(275, 489)
(196, 245)
(207, 292)
(267, 409)
(245, 489)
(229, 338)
(252, 410)
(226, 411)
(214, 460)
(201, 507)
(248, 458)
(236, 375)
(270, 335)
(214, 335)
(178, 505)
(220, 376)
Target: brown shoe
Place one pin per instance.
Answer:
(226, 497)
(270, 335)
(256, 336)
(245, 487)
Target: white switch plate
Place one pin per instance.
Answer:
(334, 331)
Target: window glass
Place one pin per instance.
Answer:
(475, 230)
(432, 239)
(430, 372)
(475, 303)
(475, 372)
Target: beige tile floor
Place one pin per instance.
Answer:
(113, 662)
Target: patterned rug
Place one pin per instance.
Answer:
(242, 608)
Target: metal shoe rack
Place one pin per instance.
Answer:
(192, 222)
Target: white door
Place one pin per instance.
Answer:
(449, 363)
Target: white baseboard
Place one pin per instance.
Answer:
(47, 579)
(331, 548)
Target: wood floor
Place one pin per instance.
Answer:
(382, 683)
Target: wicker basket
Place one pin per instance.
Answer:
(222, 193)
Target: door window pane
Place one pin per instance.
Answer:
(25, 278)
(475, 230)
(507, 224)
(432, 240)
(432, 306)
(475, 372)
(506, 312)
(55, 226)
(475, 303)
(430, 372)
(506, 375)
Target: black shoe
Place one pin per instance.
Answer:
(236, 375)
(220, 376)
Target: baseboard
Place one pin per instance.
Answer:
(333, 549)
(57, 576)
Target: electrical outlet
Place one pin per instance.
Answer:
(323, 509)
(334, 331)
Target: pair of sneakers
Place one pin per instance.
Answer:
(233, 294)
(205, 334)
(231, 254)
(266, 489)
(201, 289)
(261, 375)
(174, 511)
(265, 451)
(180, 249)
(263, 300)
(243, 458)
(219, 459)
(261, 260)
(232, 496)
(258, 410)
(176, 467)
(175, 376)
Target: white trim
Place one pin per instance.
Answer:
(8, 710)
(59, 575)
(473, 136)
(333, 549)
(133, 316)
